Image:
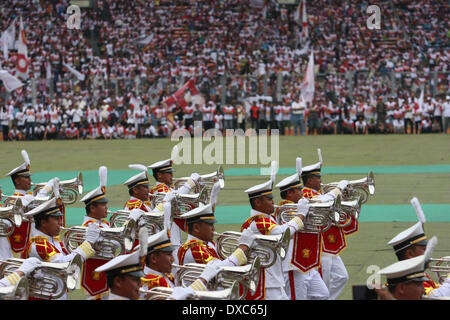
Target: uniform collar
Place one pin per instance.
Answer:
(254, 212)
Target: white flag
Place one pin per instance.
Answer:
(307, 87)
(420, 101)
(76, 73)
(4, 40)
(22, 54)
(11, 34)
(11, 83)
(48, 70)
(297, 13)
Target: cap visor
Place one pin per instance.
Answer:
(137, 274)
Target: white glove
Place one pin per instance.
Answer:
(169, 196)
(29, 265)
(180, 293)
(195, 176)
(92, 233)
(303, 207)
(247, 238)
(296, 223)
(342, 184)
(210, 271)
(136, 214)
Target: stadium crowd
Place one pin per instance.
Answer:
(367, 81)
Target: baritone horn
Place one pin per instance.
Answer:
(111, 243)
(154, 222)
(266, 247)
(69, 189)
(247, 275)
(163, 293)
(441, 267)
(362, 188)
(11, 217)
(50, 280)
(19, 291)
(321, 214)
(206, 180)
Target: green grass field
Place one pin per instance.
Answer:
(409, 166)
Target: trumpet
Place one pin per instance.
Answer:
(356, 188)
(267, 247)
(321, 215)
(441, 267)
(111, 243)
(247, 276)
(69, 189)
(163, 293)
(19, 291)
(182, 203)
(206, 180)
(50, 280)
(11, 217)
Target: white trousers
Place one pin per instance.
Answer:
(276, 294)
(334, 274)
(306, 285)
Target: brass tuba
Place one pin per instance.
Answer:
(111, 243)
(19, 291)
(356, 188)
(69, 189)
(11, 217)
(163, 293)
(267, 247)
(206, 181)
(182, 203)
(50, 280)
(247, 276)
(321, 215)
(441, 267)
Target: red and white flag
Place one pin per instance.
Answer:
(23, 63)
(308, 85)
(304, 21)
(187, 93)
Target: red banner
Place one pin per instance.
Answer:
(333, 240)
(352, 227)
(306, 250)
(20, 236)
(94, 282)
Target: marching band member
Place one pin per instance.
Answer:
(262, 221)
(96, 206)
(200, 247)
(123, 276)
(158, 268)
(138, 189)
(302, 279)
(333, 241)
(163, 174)
(413, 242)
(405, 279)
(45, 243)
(17, 241)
